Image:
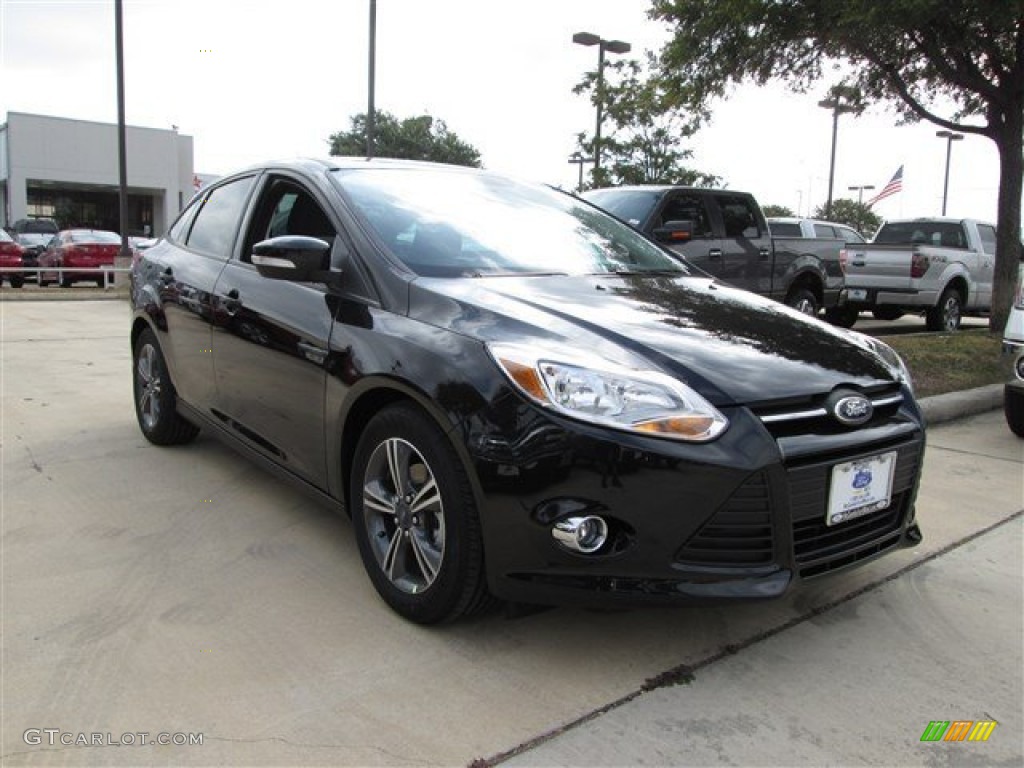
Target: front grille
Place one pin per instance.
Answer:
(739, 533)
(810, 416)
(819, 548)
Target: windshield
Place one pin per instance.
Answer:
(453, 223)
(631, 205)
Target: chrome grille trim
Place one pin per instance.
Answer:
(817, 413)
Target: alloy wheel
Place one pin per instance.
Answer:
(404, 515)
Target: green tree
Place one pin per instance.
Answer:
(413, 138)
(642, 131)
(776, 211)
(956, 63)
(854, 214)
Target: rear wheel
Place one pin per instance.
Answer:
(65, 281)
(945, 316)
(843, 316)
(155, 398)
(415, 518)
(803, 300)
(1013, 409)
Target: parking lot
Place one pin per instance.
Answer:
(185, 591)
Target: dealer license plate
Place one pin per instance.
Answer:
(860, 487)
(857, 294)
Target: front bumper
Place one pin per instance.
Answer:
(740, 518)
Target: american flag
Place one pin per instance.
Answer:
(895, 185)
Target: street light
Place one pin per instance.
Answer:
(612, 46)
(579, 159)
(838, 107)
(860, 191)
(950, 137)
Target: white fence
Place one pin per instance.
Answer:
(111, 276)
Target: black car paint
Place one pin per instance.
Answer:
(290, 372)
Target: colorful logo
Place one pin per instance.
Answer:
(959, 730)
(862, 479)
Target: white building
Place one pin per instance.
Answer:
(68, 170)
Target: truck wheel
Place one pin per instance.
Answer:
(887, 313)
(803, 300)
(1013, 409)
(945, 316)
(844, 317)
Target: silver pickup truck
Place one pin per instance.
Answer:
(939, 267)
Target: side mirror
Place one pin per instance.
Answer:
(674, 232)
(292, 257)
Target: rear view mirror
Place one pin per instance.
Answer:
(292, 257)
(674, 232)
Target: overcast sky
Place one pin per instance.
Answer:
(257, 80)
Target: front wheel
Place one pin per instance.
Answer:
(415, 518)
(155, 397)
(945, 316)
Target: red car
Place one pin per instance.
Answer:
(79, 253)
(11, 257)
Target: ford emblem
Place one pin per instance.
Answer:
(853, 410)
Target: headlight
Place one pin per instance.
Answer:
(593, 390)
(889, 356)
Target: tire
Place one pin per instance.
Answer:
(887, 313)
(155, 397)
(415, 519)
(65, 281)
(17, 281)
(804, 301)
(1013, 409)
(945, 316)
(844, 317)
(43, 282)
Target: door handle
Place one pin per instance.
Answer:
(765, 253)
(232, 301)
(715, 253)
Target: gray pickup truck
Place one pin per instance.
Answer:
(939, 267)
(725, 234)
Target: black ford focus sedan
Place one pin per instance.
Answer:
(514, 395)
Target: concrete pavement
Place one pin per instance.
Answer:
(184, 591)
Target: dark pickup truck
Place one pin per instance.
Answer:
(725, 234)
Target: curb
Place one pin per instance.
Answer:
(958, 405)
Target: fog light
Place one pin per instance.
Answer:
(581, 534)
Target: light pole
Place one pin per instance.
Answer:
(579, 159)
(950, 137)
(860, 192)
(835, 103)
(612, 46)
(372, 67)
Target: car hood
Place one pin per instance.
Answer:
(732, 346)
